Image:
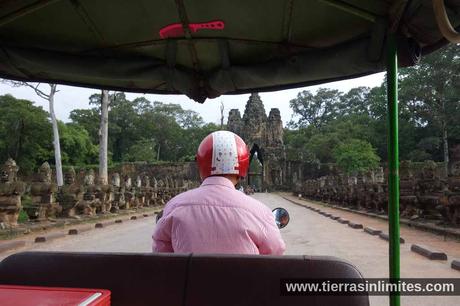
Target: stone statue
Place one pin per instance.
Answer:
(147, 190)
(43, 193)
(450, 204)
(10, 193)
(104, 193)
(169, 189)
(361, 191)
(118, 193)
(431, 190)
(162, 192)
(369, 192)
(379, 176)
(156, 197)
(352, 195)
(380, 198)
(129, 193)
(90, 204)
(140, 195)
(408, 201)
(70, 194)
(342, 189)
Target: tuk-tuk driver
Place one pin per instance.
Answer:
(216, 217)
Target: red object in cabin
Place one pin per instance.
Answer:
(176, 29)
(50, 296)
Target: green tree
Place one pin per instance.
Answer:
(77, 146)
(354, 156)
(87, 118)
(185, 118)
(143, 150)
(296, 144)
(355, 102)
(140, 130)
(25, 133)
(315, 109)
(431, 92)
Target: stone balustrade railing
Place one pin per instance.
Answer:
(423, 196)
(91, 197)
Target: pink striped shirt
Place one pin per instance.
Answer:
(217, 218)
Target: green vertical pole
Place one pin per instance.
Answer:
(393, 165)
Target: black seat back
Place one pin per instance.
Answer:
(178, 280)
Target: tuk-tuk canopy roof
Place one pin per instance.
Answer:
(245, 45)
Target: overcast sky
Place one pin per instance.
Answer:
(69, 98)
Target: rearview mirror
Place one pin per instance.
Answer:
(281, 217)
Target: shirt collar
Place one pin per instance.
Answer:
(218, 180)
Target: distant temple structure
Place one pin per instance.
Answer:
(264, 137)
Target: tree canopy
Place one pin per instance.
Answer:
(328, 121)
(141, 130)
(25, 133)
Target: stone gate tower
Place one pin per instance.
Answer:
(264, 136)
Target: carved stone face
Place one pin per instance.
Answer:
(116, 180)
(127, 182)
(429, 169)
(379, 176)
(352, 180)
(322, 181)
(234, 116)
(100, 181)
(44, 173)
(455, 152)
(369, 177)
(146, 181)
(167, 184)
(274, 115)
(455, 169)
(9, 171)
(405, 169)
(69, 176)
(89, 178)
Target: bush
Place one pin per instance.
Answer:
(355, 156)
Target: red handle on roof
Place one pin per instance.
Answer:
(176, 30)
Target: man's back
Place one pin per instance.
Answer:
(217, 218)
